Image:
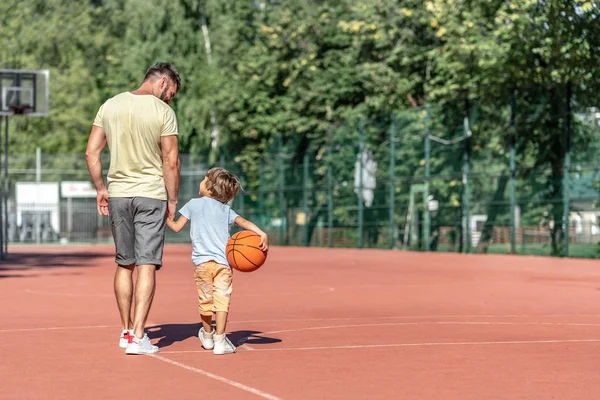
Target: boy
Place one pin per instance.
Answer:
(211, 219)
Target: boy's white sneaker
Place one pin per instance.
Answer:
(206, 338)
(124, 339)
(140, 346)
(223, 345)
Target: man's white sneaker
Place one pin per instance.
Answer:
(140, 346)
(223, 345)
(124, 339)
(206, 338)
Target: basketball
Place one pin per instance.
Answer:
(244, 253)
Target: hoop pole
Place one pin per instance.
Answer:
(2, 255)
(6, 189)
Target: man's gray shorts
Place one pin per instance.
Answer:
(138, 228)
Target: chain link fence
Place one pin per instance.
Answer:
(418, 180)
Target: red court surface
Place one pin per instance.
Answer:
(311, 324)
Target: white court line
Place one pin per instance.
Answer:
(59, 328)
(314, 328)
(217, 377)
(424, 344)
(311, 328)
(418, 317)
(357, 318)
(39, 292)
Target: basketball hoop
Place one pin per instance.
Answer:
(20, 109)
(22, 92)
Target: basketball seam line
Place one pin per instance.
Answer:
(236, 236)
(233, 249)
(257, 266)
(247, 245)
(235, 239)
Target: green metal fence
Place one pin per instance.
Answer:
(420, 179)
(437, 187)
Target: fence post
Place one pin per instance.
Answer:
(281, 189)
(360, 184)
(466, 166)
(3, 237)
(392, 182)
(6, 191)
(242, 202)
(261, 194)
(329, 196)
(513, 174)
(38, 179)
(305, 198)
(567, 166)
(427, 219)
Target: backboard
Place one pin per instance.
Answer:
(24, 92)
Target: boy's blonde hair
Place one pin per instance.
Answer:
(222, 184)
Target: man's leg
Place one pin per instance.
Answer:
(149, 225)
(145, 286)
(121, 220)
(124, 293)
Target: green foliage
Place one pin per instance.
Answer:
(311, 70)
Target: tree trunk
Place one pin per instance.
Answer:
(494, 208)
(556, 232)
(312, 222)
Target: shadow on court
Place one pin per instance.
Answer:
(171, 333)
(20, 261)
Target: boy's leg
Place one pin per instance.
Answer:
(203, 276)
(206, 322)
(222, 287)
(221, 322)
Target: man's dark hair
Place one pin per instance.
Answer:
(164, 69)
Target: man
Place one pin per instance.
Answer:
(143, 182)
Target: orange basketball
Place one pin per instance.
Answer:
(243, 252)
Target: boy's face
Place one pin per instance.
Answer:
(203, 190)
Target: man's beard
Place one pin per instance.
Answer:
(163, 96)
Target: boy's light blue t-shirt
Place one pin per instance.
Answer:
(210, 221)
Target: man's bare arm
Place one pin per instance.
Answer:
(97, 143)
(170, 156)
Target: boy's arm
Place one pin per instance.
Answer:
(245, 224)
(177, 226)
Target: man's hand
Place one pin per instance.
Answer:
(171, 209)
(102, 202)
